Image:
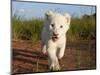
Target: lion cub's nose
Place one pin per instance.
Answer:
(55, 34)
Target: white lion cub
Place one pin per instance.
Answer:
(54, 37)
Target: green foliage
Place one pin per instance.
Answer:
(26, 29)
(80, 28)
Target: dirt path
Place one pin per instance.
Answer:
(27, 57)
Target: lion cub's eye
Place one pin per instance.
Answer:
(52, 25)
(61, 26)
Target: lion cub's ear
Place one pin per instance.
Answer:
(68, 18)
(49, 14)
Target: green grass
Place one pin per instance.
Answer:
(80, 28)
(26, 29)
(83, 28)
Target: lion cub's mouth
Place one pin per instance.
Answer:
(54, 38)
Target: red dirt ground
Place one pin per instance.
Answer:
(27, 57)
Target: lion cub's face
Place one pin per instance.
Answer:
(57, 24)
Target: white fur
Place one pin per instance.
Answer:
(55, 48)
